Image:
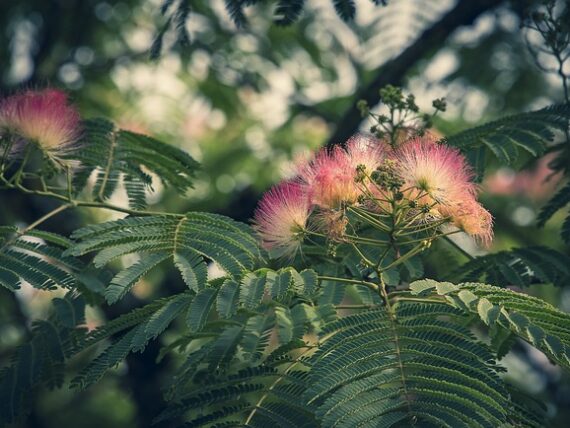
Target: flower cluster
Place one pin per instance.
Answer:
(418, 187)
(42, 117)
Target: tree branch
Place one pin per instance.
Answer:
(393, 72)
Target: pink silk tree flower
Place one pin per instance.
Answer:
(439, 176)
(330, 176)
(42, 117)
(281, 218)
(434, 173)
(366, 151)
(474, 220)
(329, 179)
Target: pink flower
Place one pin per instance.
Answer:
(434, 172)
(439, 176)
(42, 117)
(366, 151)
(473, 219)
(330, 176)
(281, 218)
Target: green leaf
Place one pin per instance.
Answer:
(116, 156)
(558, 201)
(160, 320)
(43, 265)
(191, 267)
(127, 278)
(228, 298)
(288, 11)
(409, 367)
(505, 137)
(252, 290)
(521, 267)
(200, 308)
(192, 241)
(527, 317)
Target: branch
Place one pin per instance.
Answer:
(393, 72)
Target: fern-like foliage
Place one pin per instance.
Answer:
(266, 394)
(519, 267)
(40, 361)
(560, 200)
(116, 157)
(38, 258)
(505, 138)
(236, 318)
(243, 365)
(382, 368)
(190, 241)
(286, 12)
(531, 319)
(150, 324)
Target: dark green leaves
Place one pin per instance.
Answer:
(191, 241)
(227, 300)
(267, 394)
(520, 267)
(371, 370)
(558, 202)
(200, 308)
(41, 360)
(137, 329)
(257, 291)
(122, 282)
(529, 318)
(288, 11)
(505, 137)
(37, 258)
(345, 9)
(116, 156)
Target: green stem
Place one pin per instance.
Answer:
(78, 203)
(362, 256)
(367, 241)
(370, 285)
(69, 186)
(430, 238)
(417, 299)
(417, 249)
(47, 216)
(35, 224)
(382, 257)
(354, 306)
(397, 347)
(18, 175)
(276, 382)
(125, 210)
(369, 219)
(422, 228)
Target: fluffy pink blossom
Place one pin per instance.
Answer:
(330, 176)
(473, 219)
(44, 117)
(367, 151)
(435, 170)
(439, 175)
(281, 218)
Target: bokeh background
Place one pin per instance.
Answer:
(245, 103)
